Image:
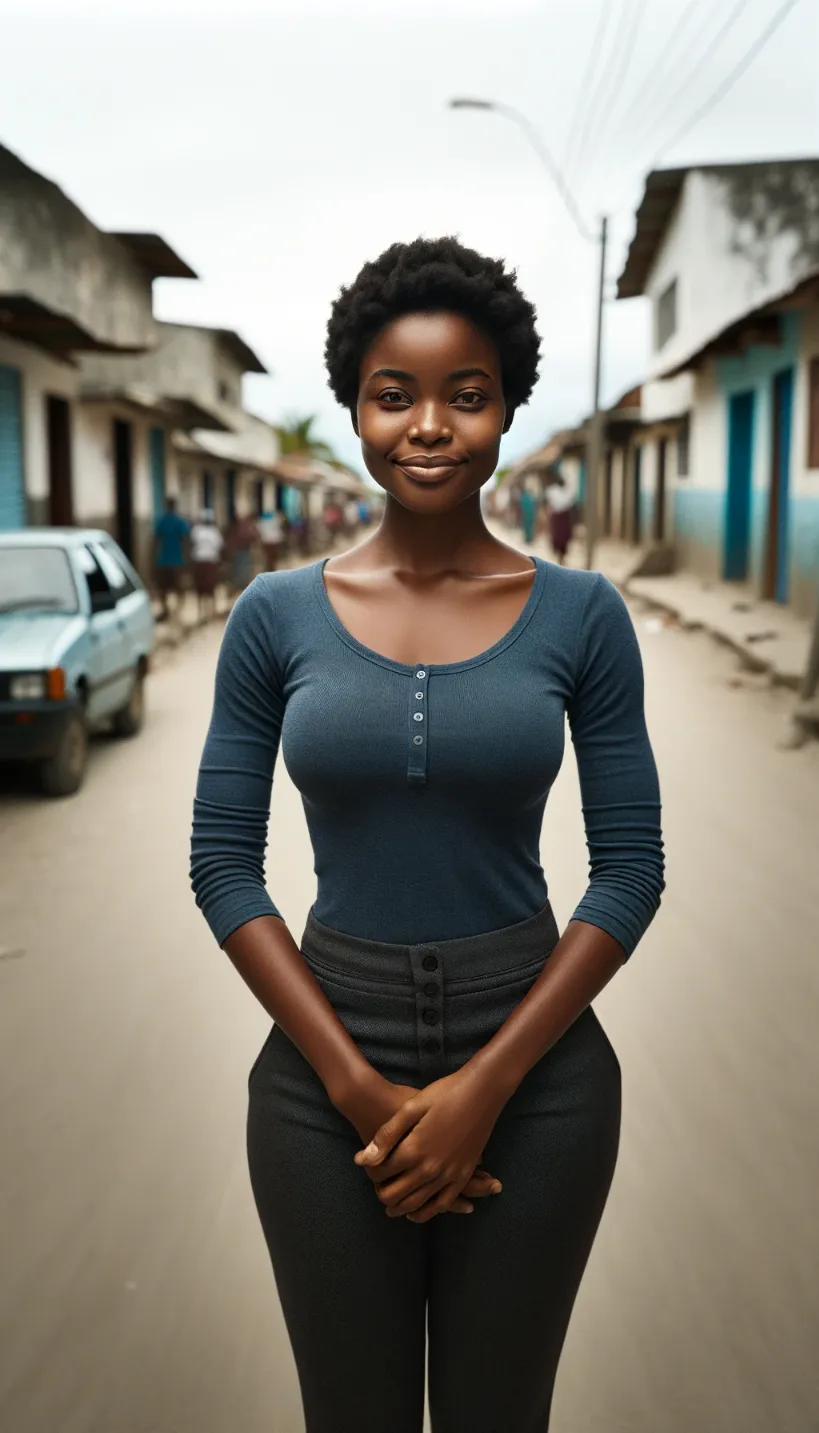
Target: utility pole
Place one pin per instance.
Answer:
(594, 448)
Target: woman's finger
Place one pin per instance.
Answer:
(415, 1199)
(482, 1184)
(440, 1203)
(386, 1138)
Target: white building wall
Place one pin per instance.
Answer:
(41, 376)
(804, 480)
(716, 283)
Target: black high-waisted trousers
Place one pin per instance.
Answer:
(497, 1286)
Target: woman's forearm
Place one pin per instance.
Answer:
(582, 963)
(272, 966)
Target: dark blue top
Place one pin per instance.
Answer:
(171, 529)
(424, 787)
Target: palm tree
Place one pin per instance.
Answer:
(296, 435)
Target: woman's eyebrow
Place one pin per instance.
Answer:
(394, 373)
(469, 373)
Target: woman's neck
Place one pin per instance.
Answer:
(455, 541)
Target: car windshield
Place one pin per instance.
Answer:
(36, 579)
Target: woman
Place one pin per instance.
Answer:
(561, 513)
(528, 515)
(206, 554)
(242, 538)
(434, 1053)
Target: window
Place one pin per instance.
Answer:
(111, 564)
(36, 579)
(813, 413)
(665, 315)
(684, 448)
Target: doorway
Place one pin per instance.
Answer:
(659, 497)
(124, 479)
(741, 412)
(775, 570)
(607, 491)
(637, 496)
(12, 479)
(60, 485)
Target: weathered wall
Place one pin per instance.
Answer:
(41, 376)
(52, 254)
(187, 363)
(735, 241)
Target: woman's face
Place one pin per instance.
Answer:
(430, 410)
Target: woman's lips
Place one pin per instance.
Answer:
(430, 472)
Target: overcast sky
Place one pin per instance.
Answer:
(278, 145)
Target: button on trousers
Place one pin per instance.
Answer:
(480, 1301)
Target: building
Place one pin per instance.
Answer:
(728, 257)
(179, 400)
(67, 289)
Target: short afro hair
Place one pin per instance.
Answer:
(422, 276)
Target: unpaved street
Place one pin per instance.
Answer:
(135, 1293)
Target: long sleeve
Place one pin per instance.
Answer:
(618, 775)
(232, 802)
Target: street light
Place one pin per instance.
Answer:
(595, 443)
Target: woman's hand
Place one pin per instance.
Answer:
(424, 1156)
(371, 1108)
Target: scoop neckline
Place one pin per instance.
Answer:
(440, 668)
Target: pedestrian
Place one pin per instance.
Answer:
(271, 534)
(351, 516)
(561, 516)
(434, 1116)
(207, 544)
(333, 518)
(528, 514)
(241, 540)
(171, 554)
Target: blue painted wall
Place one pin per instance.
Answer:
(756, 370)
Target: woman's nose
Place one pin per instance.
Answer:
(430, 424)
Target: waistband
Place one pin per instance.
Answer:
(494, 953)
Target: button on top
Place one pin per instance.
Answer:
(418, 741)
(420, 674)
(430, 990)
(430, 1017)
(418, 716)
(419, 696)
(430, 962)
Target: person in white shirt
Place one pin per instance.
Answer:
(206, 555)
(271, 533)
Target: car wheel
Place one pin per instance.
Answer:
(62, 774)
(130, 718)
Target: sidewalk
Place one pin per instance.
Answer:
(767, 637)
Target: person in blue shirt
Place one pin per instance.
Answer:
(171, 545)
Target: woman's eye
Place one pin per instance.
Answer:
(473, 398)
(392, 397)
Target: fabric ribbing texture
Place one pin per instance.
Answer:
(424, 786)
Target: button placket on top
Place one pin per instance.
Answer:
(418, 727)
(428, 980)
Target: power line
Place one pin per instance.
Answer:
(588, 75)
(595, 94)
(627, 54)
(729, 81)
(659, 76)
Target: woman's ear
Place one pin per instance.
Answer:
(507, 422)
(354, 421)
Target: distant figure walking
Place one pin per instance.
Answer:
(271, 533)
(561, 502)
(171, 553)
(242, 538)
(528, 515)
(207, 544)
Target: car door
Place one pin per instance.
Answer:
(133, 602)
(109, 672)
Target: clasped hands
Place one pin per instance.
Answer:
(424, 1158)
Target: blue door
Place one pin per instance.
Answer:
(157, 451)
(776, 566)
(740, 480)
(12, 485)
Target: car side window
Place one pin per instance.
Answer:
(92, 572)
(118, 579)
